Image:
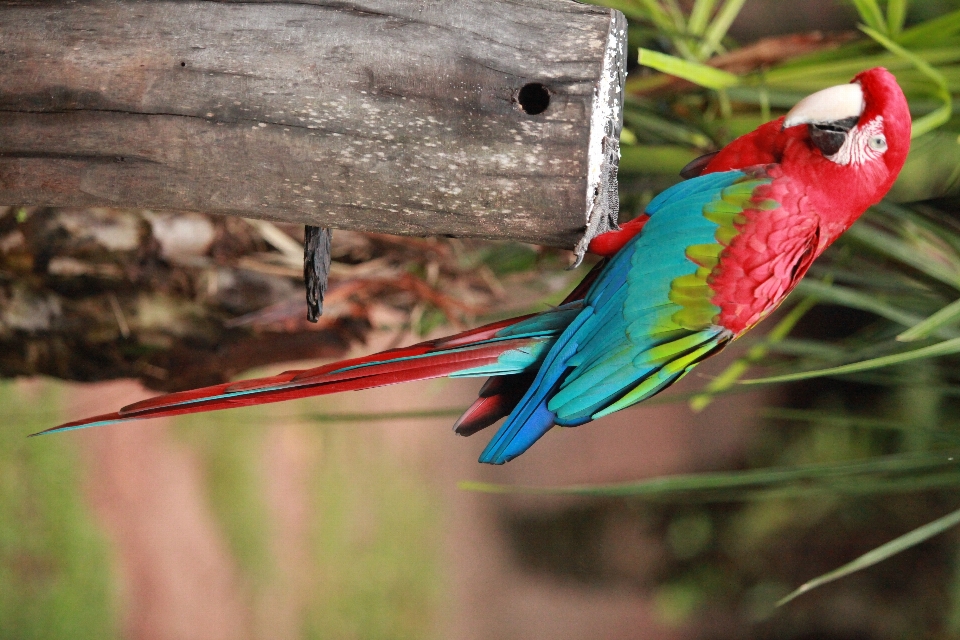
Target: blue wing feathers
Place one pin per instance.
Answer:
(531, 418)
(712, 182)
(552, 321)
(622, 345)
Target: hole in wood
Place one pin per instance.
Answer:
(533, 98)
(183, 64)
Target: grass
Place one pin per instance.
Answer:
(897, 270)
(55, 569)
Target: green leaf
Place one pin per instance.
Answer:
(655, 159)
(932, 169)
(719, 27)
(700, 16)
(846, 420)
(668, 22)
(643, 121)
(870, 13)
(934, 119)
(896, 15)
(894, 247)
(932, 32)
(881, 553)
(854, 299)
(947, 315)
(674, 11)
(700, 74)
(848, 476)
(777, 99)
(936, 238)
(941, 115)
(947, 347)
(817, 76)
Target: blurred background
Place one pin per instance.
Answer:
(363, 516)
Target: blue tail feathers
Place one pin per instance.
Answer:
(531, 418)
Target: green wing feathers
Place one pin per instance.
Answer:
(659, 321)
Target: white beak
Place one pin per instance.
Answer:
(830, 105)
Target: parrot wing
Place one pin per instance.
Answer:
(653, 314)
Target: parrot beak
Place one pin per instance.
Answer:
(829, 114)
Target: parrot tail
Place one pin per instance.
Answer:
(498, 397)
(506, 348)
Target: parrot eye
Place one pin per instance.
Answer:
(877, 143)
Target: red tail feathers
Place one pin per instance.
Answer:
(498, 397)
(430, 359)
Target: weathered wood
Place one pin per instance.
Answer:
(401, 116)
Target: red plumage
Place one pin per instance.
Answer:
(376, 370)
(819, 198)
(496, 400)
(608, 244)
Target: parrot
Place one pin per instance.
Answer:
(708, 259)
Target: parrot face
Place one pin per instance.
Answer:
(862, 145)
(852, 148)
(844, 145)
(845, 159)
(829, 115)
(846, 122)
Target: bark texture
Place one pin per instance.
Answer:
(482, 118)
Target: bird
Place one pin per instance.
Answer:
(708, 259)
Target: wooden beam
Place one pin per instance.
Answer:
(482, 118)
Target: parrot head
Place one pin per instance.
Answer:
(864, 125)
(848, 143)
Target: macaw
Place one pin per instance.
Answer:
(707, 260)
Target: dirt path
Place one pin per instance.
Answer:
(288, 464)
(178, 579)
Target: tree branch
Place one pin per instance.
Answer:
(482, 118)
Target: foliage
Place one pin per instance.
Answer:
(897, 271)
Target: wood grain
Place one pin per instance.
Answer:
(384, 115)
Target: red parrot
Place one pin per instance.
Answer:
(709, 258)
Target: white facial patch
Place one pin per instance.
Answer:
(863, 143)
